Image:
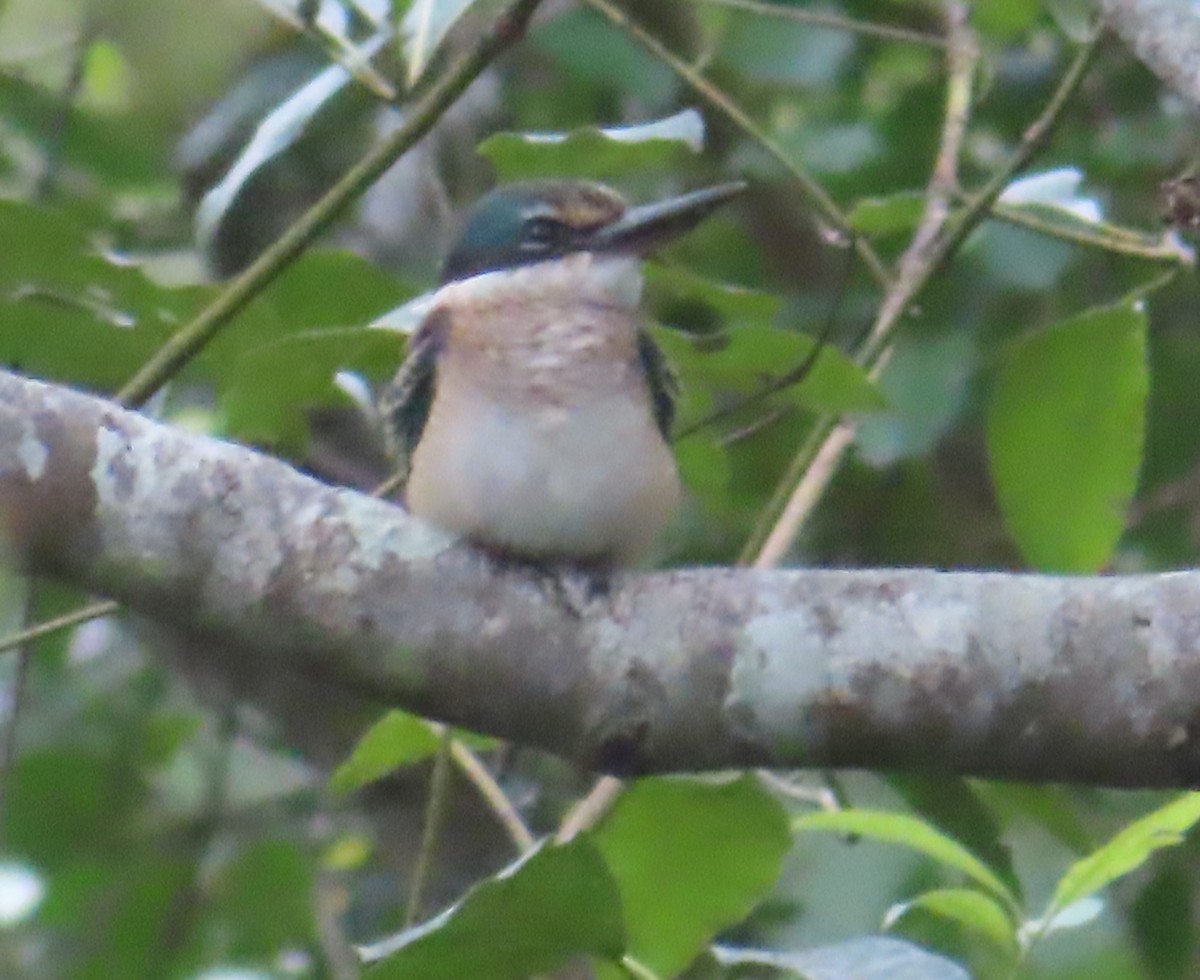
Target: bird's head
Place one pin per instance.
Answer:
(538, 220)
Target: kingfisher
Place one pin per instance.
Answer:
(532, 413)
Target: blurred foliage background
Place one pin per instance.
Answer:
(1018, 367)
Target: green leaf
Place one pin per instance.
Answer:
(968, 908)
(284, 353)
(899, 828)
(690, 858)
(1008, 20)
(953, 805)
(69, 313)
(862, 958)
(1065, 434)
(1126, 852)
(397, 739)
(887, 215)
(265, 395)
(265, 892)
(424, 27)
(556, 903)
(593, 152)
(121, 155)
(750, 356)
(678, 288)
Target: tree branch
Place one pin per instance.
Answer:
(1016, 676)
(1165, 35)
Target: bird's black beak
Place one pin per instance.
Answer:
(642, 228)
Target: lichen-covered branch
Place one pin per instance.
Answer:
(1017, 676)
(1165, 34)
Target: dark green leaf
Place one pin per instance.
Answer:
(265, 395)
(121, 154)
(265, 891)
(70, 314)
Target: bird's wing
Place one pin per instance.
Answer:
(662, 381)
(405, 403)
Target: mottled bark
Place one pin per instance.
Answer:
(1017, 676)
(1165, 34)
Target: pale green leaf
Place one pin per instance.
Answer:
(552, 905)
(1126, 852)
(900, 828)
(965, 907)
(397, 739)
(1065, 434)
(690, 858)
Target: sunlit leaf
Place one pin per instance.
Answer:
(1065, 434)
(1126, 852)
(1080, 913)
(965, 907)
(594, 152)
(424, 26)
(690, 858)
(397, 739)
(556, 903)
(900, 828)
(865, 958)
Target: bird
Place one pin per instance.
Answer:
(532, 412)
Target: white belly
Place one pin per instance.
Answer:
(594, 481)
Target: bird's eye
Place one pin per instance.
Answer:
(543, 234)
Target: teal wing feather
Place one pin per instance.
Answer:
(405, 403)
(662, 381)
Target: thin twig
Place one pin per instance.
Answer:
(934, 256)
(186, 343)
(816, 195)
(823, 18)
(473, 768)
(819, 457)
(185, 903)
(75, 617)
(919, 259)
(790, 378)
(435, 822)
(589, 811)
(8, 751)
(817, 475)
(61, 121)
(329, 904)
(1167, 249)
(341, 49)
(192, 338)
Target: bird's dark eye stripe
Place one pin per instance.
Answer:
(543, 232)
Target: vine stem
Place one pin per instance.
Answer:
(823, 18)
(816, 195)
(192, 338)
(797, 494)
